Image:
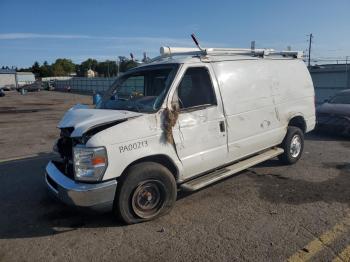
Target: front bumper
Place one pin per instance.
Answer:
(99, 196)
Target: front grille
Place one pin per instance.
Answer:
(65, 148)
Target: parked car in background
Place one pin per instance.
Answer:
(48, 85)
(8, 87)
(334, 114)
(36, 86)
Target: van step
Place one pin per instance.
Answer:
(220, 174)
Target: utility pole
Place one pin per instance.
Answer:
(118, 66)
(346, 72)
(310, 43)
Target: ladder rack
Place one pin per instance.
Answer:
(166, 51)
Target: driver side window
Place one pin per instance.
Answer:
(196, 89)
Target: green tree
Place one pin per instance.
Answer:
(86, 65)
(107, 68)
(29, 69)
(127, 64)
(45, 70)
(77, 70)
(62, 67)
(36, 68)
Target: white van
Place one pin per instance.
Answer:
(183, 121)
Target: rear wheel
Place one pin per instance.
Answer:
(148, 190)
(293, 145)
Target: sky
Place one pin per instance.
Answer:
(46, 30)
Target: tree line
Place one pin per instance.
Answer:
(66, 67)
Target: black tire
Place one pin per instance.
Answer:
(146, 183)
(290, 155)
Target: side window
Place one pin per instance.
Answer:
(196, 88)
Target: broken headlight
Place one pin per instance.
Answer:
(89, 163)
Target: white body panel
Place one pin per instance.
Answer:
(256, 98)
(260, 96)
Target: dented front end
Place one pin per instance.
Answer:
(95, 147)
(76, 178)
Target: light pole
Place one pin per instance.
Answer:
(346, 72)
(118, 66)
(310, 43)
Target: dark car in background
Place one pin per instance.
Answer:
(36, 86)
(333, 116)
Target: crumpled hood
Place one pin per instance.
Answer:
(334, 109)
(82, 118)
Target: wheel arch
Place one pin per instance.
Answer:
(298, 121)
(161, 159)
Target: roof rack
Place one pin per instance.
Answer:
(166, 51)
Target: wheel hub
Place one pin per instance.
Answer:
(295, 146)
(147, 199)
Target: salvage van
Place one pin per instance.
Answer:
(185, 120)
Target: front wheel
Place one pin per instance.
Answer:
(148, 190)
(293, 145)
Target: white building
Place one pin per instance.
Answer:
(11, 79)
(8, 78)
(91, 73)
(25, 78)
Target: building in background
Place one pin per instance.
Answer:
(8, 78)
(90, 73)
(329, 79)
(25, 78)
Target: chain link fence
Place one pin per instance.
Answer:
(82, 84)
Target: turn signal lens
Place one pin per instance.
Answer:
(98, 161)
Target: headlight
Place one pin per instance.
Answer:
(89, 163)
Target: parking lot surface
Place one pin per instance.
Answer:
(28, 123)
(266, 213)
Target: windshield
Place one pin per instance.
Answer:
(141, 90)
(341, 99)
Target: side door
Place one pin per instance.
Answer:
(200, 132)
(247, 93)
